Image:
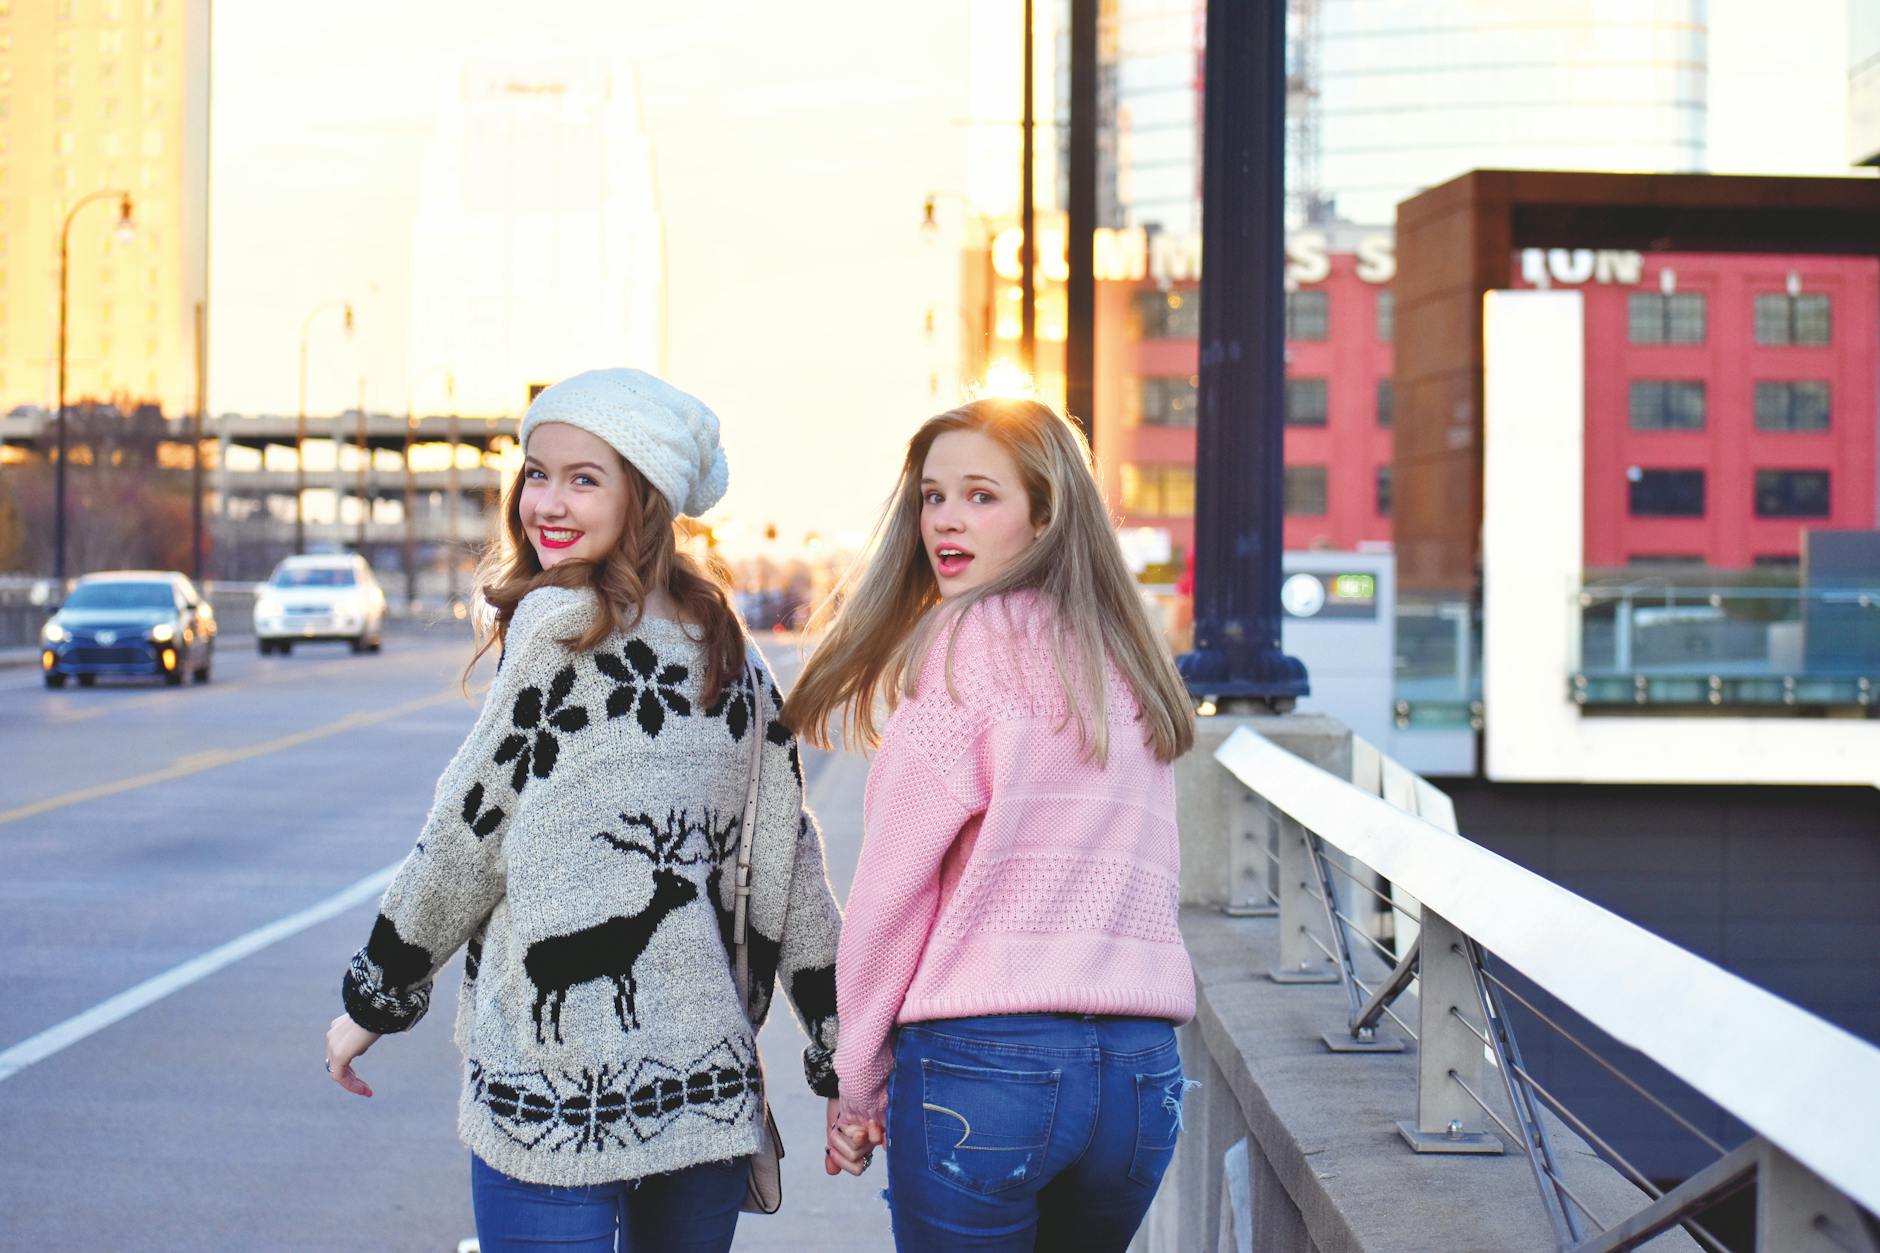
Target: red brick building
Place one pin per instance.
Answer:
(1731, 403)
(1731, 400)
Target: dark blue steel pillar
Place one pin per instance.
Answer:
(1239, 441)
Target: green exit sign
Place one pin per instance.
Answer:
(1354, 587)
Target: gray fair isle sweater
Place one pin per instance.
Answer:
(583, 843)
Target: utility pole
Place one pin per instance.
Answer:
(1080, 289)
(195, 458)
(453, 491)
(1239, 441)
(365, 465)
(1027, 212)
(411, 547)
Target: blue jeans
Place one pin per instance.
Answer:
(1029, 1131)
(688, 1211)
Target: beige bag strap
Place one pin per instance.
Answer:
(741, 910)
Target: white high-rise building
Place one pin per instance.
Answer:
(1153, 79)
(1412, 93)
(536, 247)
(1863, 82)
(1407, 94)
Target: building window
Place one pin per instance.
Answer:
(1667, 405)
(1168, 315)
(1158, 491)
(1806, 321)
(1308, 315)
(1383, 491)
(1386, 401)
(1386, 315)
(1305, 491)
(1800, 405)
(1170, 401)
(1655, 318)
(1776, 561)
(1791, 493)
(1306, 402)
(1666, 494)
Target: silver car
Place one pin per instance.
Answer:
(324, 597)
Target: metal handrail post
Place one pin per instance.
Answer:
(1252, 891)
(1447, 1120)
(1300, 959)
(1622, 635)
(1798, 1211)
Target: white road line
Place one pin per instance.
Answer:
(152, 990)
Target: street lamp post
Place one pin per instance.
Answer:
(124, 226)
(1240, 439)
(300, 425)
(1028, 246)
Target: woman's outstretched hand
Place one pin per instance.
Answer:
(345, 1041)
(851, 1143)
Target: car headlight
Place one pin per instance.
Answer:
(163, 632)
(267, 607)
(56, 634)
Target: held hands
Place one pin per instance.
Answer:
(345, 1041)
(851, 1142)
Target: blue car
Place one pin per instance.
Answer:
(132, 622)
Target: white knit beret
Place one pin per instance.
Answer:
(668, 435)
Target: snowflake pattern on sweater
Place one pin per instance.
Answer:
(581, 845)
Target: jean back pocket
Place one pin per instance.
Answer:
(1158, 1123)
(986, 1129)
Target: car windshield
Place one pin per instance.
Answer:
(121, 596)
(314, 576)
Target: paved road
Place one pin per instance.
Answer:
(142, 830)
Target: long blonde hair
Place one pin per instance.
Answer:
(886, 614)
(647, 556)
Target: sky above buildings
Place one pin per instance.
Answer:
(792, 151)
(792, 148)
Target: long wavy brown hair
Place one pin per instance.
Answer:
(650, 554)
(887, 612)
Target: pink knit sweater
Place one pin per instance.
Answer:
(1001, 872)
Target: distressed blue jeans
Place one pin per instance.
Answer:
(694, 1210)
(1029, 1131)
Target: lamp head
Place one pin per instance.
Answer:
(928, 224)
(126, 229)
(349, 317)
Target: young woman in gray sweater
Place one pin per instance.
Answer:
(582, 845)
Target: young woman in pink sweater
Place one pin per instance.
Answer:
(1011, 969)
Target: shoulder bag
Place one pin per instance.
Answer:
(763, 1194)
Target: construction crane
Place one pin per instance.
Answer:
(1306, 202)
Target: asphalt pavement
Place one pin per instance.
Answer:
(183, 875)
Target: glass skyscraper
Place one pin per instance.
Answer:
(1412, 93)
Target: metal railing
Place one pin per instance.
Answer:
(1369, 875)
(1727, 646)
